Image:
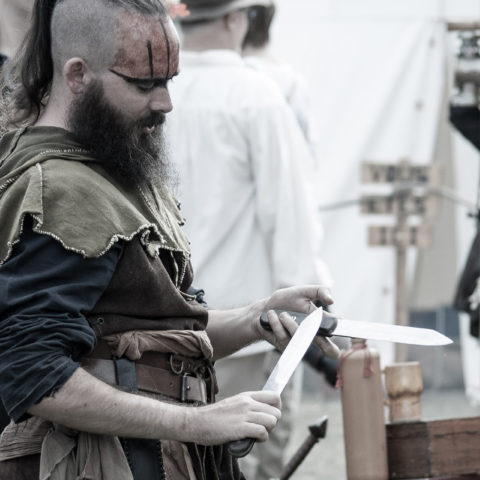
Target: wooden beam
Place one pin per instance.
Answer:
(467, 77)
(441, 448)
(463, 26)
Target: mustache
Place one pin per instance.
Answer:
(153, 120)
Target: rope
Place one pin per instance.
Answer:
(368, 369)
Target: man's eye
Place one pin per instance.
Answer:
(145, 87)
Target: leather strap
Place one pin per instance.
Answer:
(126, 374)
(182, 387)
(178, 363)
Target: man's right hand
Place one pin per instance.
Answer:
(87, 404)
(246, 415)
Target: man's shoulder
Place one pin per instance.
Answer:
(72, 175)
(257, 85)
(229, 77)
(72, 202)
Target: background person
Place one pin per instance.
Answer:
(14, 20)
(245, 170)
(257, 53)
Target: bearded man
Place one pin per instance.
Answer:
(106, 360)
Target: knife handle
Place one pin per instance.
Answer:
(241, 448)
(326, 329)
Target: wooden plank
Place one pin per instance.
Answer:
(441, 448)
(467, 77)
(414, 204)
(455, 446)
(383, 236)
(404, 442)
(463, 26)
(403, 171)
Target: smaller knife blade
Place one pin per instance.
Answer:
(286, 365)
(342, 327)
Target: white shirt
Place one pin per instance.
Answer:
(245, 190)
(294, 89)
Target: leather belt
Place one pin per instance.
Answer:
(180, 385)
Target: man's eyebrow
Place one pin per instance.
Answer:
(147, 80)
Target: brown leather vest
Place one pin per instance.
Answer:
(142, 295)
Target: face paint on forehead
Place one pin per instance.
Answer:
(148, 47)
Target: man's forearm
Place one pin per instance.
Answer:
(230, 330)
(90, 405)
(87, 404)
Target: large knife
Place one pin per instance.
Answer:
(341, 327)
(286, 365)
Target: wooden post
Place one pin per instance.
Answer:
(404, 202)
(404, 385)
(401, 296)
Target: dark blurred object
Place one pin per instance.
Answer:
(3, 60)
(199, 295)
(319, 361)
(260, 18)
(470, 46)
(468, 284)
(466, 119)
(322, 364)
(317, 431)
(4, 418)
(464, 106)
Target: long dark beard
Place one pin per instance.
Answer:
(125, 151)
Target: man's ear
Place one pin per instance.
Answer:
(230, 20)
(77, 75)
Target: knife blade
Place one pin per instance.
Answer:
(286, 365)
(342, 327)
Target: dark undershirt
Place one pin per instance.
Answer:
(45, 292)
(467, 121)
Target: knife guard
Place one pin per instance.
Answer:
(241, 448)
(327, 327)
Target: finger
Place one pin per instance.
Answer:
(258, 432)
(263, 419)
(328, 347)
(289, 323)
(281, 334)
(267, 397)
(324, 295)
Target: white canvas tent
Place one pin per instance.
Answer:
(380, 75)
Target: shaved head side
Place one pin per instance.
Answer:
(84, 29)
(60, 30)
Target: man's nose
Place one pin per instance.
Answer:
(160, 101)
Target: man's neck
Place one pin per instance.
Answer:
(209, 37)
(49, 120)
(55, 112)
(251, 51)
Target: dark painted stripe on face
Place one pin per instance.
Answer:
(168, 48)
(150, 57)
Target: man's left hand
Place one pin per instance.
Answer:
(299, 299)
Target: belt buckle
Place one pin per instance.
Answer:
(176, 370)
(185, 387)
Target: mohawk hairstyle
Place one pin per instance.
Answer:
(61, 29)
